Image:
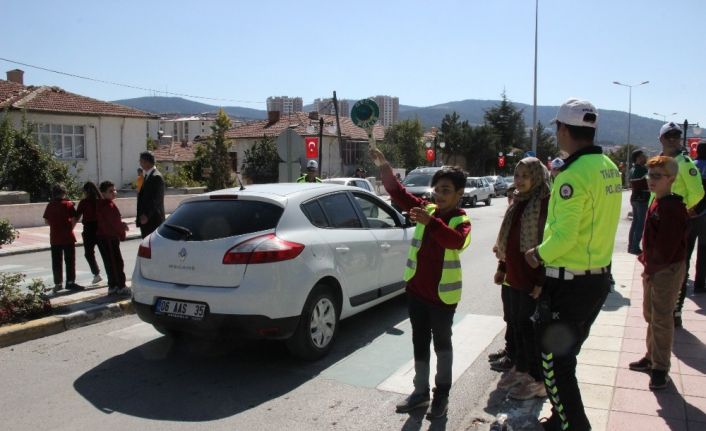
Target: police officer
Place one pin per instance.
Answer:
(584, 209)
(312, 168)
(688, 186)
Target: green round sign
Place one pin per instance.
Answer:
(365, 113)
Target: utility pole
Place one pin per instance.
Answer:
(338, 125)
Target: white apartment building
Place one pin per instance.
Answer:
(186, 129)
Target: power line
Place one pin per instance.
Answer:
(87, 78)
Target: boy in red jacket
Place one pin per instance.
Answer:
(433, 276)
(111, 230)
(663, 255)
(60, 215)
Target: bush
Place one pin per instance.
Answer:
(16, 306)
(8, 233)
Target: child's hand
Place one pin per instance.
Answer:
(126, 227)
(645, 277)
(419, 215)
(377, 157)
(531, 258)
(536, 292)
(499, 277)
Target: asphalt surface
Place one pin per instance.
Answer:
(121, 374)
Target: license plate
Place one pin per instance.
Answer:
(180, 309)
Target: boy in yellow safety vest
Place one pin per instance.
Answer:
(433, 276)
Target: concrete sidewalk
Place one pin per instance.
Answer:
(618, 399)
(33, 239)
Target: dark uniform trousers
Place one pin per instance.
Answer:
(697, 231)
(506, 296)
(68, 253)
(113, 261)
(565, 313)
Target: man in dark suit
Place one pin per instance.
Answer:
(150, 198)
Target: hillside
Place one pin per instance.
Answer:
(612, 130)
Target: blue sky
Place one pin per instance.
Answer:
(424, 52)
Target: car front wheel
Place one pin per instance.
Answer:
(318, 325)
(473, 201)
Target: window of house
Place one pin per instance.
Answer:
(186, 130)
(62, 140)
(353, 152)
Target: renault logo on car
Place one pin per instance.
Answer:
(182, 254)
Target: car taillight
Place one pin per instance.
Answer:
(262, 249)
(145, 249)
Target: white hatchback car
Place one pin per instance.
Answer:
(280, 261)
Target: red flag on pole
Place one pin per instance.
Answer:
(430, 155)
(312, 147)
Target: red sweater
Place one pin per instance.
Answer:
(59, 213)
(664, 238)
(110, 222)
(87, 210)
(518, 272)
(438, 236)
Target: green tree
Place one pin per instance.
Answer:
(220, 177)
(402, 145)
(195, 168)
(546, 144)
(620, 155)
(24, 165)
(454, 134)
(508, 124)
(261, 162)
(151, 144)
(479, 149)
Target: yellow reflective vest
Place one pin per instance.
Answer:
(302, 179)
(449, 288)
(688, 183)
(583, 213)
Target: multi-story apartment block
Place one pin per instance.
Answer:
(185, 129)
(285, 104)
(389, 109)
(325, 107)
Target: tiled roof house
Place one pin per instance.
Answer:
(99, 140)
(337, 160)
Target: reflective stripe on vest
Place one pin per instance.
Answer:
(449, 289)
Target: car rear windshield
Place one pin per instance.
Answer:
(214, 219)
(417, 180)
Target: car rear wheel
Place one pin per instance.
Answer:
(318, 325)
(473, 201)
(487, 201)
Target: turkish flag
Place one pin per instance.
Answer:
(692, 143)
(501, 161)
(430, 155)
(312, 147)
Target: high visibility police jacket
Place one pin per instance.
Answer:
(688, 184)
(303, 179)
(583, 214)
(449, 288)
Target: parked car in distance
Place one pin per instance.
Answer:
(418, 182)
(477, 189)
(276, 261)
(353, 182)
(510, 181)
(499, 185)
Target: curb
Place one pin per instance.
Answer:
(46, 247)
(39, 328)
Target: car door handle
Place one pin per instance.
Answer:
(385, 246)
(342, 249)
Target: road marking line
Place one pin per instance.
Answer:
(470, 338)
(138, 331)
(9, 267)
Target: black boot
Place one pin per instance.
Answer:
(439, 406)
(414, 401)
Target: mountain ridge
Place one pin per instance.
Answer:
(612, 124)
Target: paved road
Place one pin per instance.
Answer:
(38, 264)
(121, 374)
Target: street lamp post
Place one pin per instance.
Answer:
(627, 147)
(695, 127)
(664, 117)
(534, 106)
